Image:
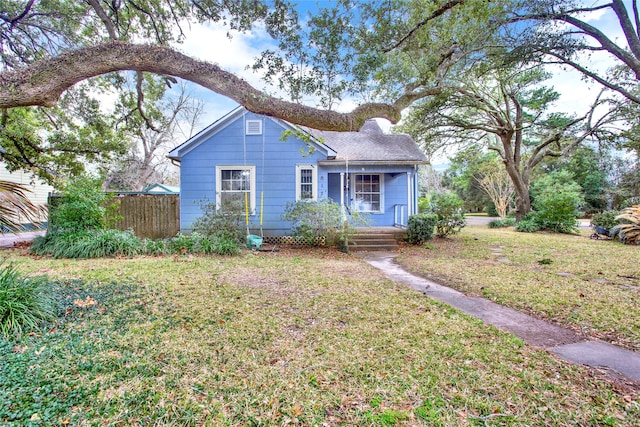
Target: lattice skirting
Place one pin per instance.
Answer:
(293, 240)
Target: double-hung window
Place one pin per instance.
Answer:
(368, 192)
(306, 182)
(234, 186)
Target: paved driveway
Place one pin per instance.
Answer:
(8, 239)
(479, 220)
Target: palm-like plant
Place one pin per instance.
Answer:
(628, 231)
(16, 208)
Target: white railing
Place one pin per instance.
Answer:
(400, 215)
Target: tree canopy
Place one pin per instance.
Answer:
(508, 111)
(47, 47)
(386, 54)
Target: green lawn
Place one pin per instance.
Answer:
(592, 286)
(291, 338)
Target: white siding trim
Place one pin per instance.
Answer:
(314, 178)
(352, 190)
(252, 178)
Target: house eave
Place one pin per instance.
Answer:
(341, 162)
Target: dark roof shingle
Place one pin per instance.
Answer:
(371, 144)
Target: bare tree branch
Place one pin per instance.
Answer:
(140, 100)
(102, 14)
(438, 12)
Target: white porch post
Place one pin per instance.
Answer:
(409, 195)
(342, 209)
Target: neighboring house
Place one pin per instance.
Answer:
(39, 190)
(366, 171)
(161, 189)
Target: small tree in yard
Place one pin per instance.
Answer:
(447, 207)
(556, 200)
(81, 207)
(495, 182)
(222, 224)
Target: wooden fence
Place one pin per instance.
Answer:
(155, 216)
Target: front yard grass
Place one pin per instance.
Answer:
(289, 338)
(592, 286)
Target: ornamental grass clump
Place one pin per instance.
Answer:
(24, 301)
(628, 231)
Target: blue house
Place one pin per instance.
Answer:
(275, 162)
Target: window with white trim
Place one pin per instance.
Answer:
(306, 182)
(254, 127)
(232, 183)
(367, 189)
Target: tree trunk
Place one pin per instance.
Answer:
(519, 177)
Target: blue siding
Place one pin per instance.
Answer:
(229, 146)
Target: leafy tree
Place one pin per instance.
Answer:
(495, 182)
(463, 171)
(557, 198)
(338, 53)
(59, 141)
(563, 32)
(81, 207)
(506, 110)
(589, 170)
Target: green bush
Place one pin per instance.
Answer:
(182, 243)
(606, 219)
(420, 228)
(105, 243)
(313, 220)
(502, 223)
(24, 301)
(87, 244)
(58, 243)
(528, 225)
(556, 201)
(447, 206)
(225, 246)
(81, 206)
(154, 247)
(227, 224)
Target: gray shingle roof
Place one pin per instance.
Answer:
(371, 144)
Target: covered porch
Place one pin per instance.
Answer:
(386, 196)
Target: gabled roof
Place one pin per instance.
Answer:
(161, 188)
(218, 125)
(371, 145)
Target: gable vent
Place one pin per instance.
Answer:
(254, 127)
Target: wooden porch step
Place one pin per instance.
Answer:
(376, 241)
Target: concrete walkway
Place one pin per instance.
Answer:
(7, 240)
(563, 342)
